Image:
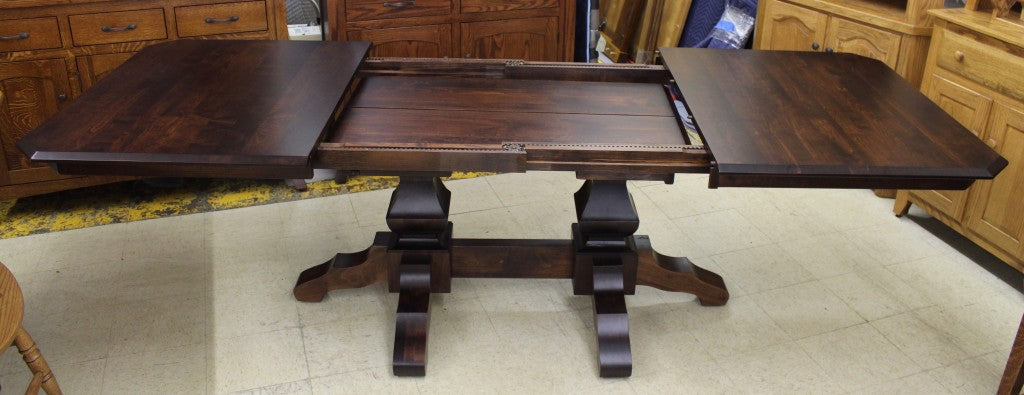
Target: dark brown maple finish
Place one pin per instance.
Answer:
(203, 108)
(802, 119)
(275, 116)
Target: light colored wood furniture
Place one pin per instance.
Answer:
(51, 51)
(12, 308)
(893, 31)
(975, 71)
(488, 29)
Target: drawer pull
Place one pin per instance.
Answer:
(109, 29)
(62, 97)
(959, 56)
(399, 4)
(19, 36)
(815, 46)
(233, 18)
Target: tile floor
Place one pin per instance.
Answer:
(830, 294)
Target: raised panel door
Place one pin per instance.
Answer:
(527, 39)
(792, 28)
(30, 92)
(971, 109)
(997, 215)
(433, 41)
(851, 37)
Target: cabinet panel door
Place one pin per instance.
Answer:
(92, 68)
(30, 92)
(971, 109)
(996, 210)
(851, 37)
(434, 41)
(526, 39)
(792, 28)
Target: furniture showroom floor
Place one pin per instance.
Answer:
(830, 294)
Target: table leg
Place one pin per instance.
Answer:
(603, 259)
(412, 320)
(605, 265)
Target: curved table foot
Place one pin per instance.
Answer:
(412, 321)
(611, 322)
(345, 270)
(678, 274)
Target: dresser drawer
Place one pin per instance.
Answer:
(29, 34)
(362, 10)
(118, 27)
(202, 20)
(994, 67)
(505, 5)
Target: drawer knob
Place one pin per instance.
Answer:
(109, 29)
(815, 46)
(62, 97)
(399, 4)
(829, 50)
(959, 56)
(19, 36)
(233, 18)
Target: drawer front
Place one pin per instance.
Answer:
(118, 27)
(363, 10)
(505, 5)
(202, 20)
(1000, 69)
(29, 34)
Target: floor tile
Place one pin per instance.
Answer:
(806, 309)
(780, 369)
(928, 347)
(255, 361)
(858, 355)
(761, 269)
(167, 371)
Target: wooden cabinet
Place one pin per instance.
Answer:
(973, 72)
(791, 28)
(539, 30)
(51, 51)
(431, 41)
(996, 215)
(526, 39)
(30, 92)
(895, 33)
(971, 109)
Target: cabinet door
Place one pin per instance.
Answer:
(526, 39)
(94, 67)
(971, 109)
(30, 92)
(996, 213)
(792, 28)
(851, 37)
(433, 41)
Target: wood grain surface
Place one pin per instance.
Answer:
(204, 108)
(12, 306)
(789, 119)
(444, 112)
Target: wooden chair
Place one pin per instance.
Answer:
(12, 307)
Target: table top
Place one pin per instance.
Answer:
(807, 119)
(211, 108)
(274, 109)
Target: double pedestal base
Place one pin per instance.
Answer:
(419, 257)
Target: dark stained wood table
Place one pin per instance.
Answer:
(281, 109)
